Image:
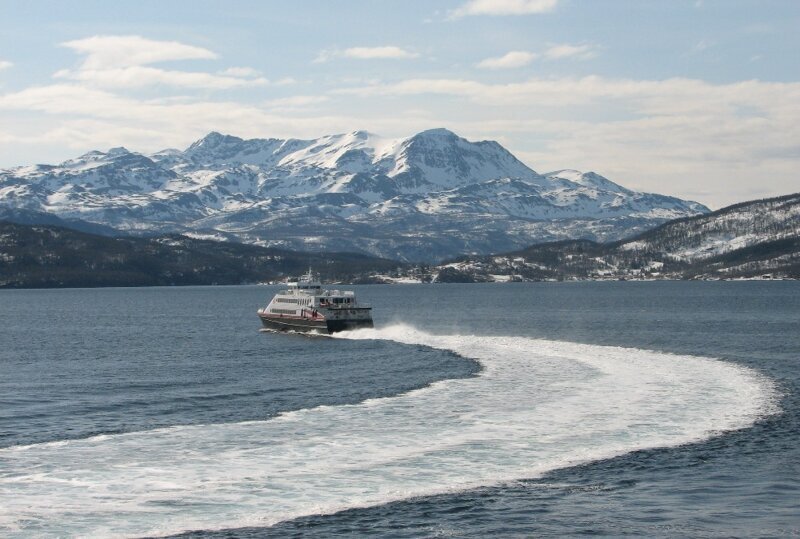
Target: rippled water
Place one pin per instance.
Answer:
(561, 409)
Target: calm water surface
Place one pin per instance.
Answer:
(122, 363)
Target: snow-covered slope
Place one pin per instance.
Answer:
(424, 197)
(759, 239)
(736, 227)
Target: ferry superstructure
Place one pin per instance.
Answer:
(305, 306)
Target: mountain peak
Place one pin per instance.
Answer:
(437, 132)
(214, 139)
(361, 134)
(587, 179)
(94, 154)
(567, 173)
(96, 157)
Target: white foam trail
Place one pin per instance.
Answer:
(536, 406)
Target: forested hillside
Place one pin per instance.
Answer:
(47, 256)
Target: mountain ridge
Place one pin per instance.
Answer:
(424, 197)
(751, 239)
(755, 239)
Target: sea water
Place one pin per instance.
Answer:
(470, 410)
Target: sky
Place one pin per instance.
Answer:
(698, 99)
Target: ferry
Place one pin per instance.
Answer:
(305, 306)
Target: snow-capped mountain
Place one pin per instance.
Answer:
(424, 197)
(758, 239)
(738, 227)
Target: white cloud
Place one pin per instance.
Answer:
(243, 72)
(297, 101)
(105, 52)
(101, 105)
(516, 59)
(565, 50)
(366, 53)
(124, 62)
(5, 64)
(509, 60)
(141, 76)
(504, 7)
(652, 96)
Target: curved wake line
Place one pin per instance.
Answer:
(535, 406)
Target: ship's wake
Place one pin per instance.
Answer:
(535, 406)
